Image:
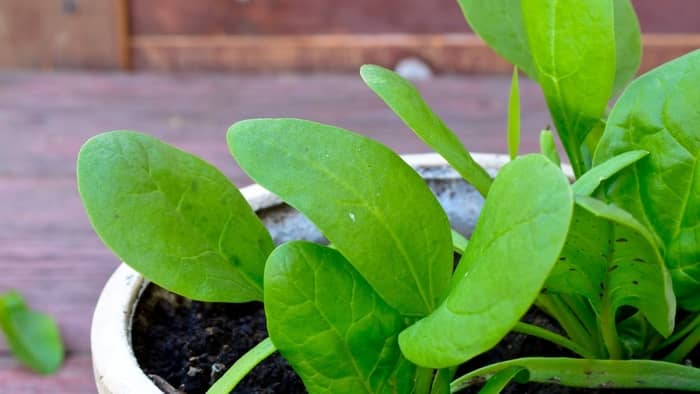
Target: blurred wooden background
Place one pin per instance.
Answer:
(278, 35)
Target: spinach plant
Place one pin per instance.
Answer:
(33, 337)
(610, 254)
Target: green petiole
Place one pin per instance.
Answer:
(632, 374)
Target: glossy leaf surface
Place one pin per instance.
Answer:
(591, 180)
(516, 243)
(173, 217)
(366, 200)
(405, 100)
(628, 44)
(500, 24)
(330, 325)
(611, 259)
(33, 337)
(572, 43)
(658, 112)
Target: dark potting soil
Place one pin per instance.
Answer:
(185, 346)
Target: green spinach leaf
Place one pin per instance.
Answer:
(574, 53)
(403, 98)
(517, 240)
(500, 24)
(658, 112)
(173, 217)
(330, 325)
(612, 260)
(33, 337)
(590, 181)
(366, 200)
(628, 44)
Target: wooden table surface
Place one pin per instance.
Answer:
(47, 248)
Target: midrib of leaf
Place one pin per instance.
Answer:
(332, 327)
(360, 197)
(211, 249)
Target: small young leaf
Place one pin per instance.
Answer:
(589, 182)
(33, 337)
(548, 147)
(573, 46)
(517, 240)
(628, 44)
(500, 24)
(659, 113)
(514, 116)
(173, 217)
(330, 325)
(403, 98)
(368, 202)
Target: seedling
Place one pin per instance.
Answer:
(611, 256)
(32, 337)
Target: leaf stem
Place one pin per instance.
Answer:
(687, 326)
(608, 330)
(424, 380)
(553, 305)
(539, 332)
(242, 367)
(685, 347)
(574, 372)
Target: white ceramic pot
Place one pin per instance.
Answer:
(115, 366)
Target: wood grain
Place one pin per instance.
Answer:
(50, 34)
(444, 53)
(282, 17)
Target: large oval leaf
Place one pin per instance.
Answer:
(330, 325)
(371, 205)
(659, 113)
(172, 217)
(517, 240)
(573, 46)
(403, 98)
(612, 260)
(33, 337)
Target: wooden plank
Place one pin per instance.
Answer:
(668, 16)
(50, 254)
(463, 53)
(75, 377)
(58, 34)
(273, 17)
(41, 137)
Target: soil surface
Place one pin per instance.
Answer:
(201, 341)
(185, 346)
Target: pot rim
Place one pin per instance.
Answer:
(114, 363)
